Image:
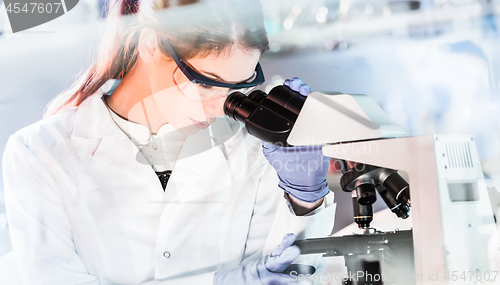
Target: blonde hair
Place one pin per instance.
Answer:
(207, 27)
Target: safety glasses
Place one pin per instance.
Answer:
(201, 88)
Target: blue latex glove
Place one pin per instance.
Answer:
(265, 270)
(297, 85)
(301, 169)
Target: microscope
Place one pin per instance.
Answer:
(450, 208)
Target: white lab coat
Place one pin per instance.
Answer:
(84, 208)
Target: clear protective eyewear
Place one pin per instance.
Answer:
(198, 87)
(203, 92)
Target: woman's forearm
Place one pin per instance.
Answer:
(301, 208)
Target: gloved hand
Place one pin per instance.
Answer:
(297, 85)
(301, 169)
(265, 270)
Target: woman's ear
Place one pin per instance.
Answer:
(148, 46)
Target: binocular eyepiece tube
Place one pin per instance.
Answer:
(269, 117)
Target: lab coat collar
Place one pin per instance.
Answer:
(95, 130)
(92, 118)
(209, 161)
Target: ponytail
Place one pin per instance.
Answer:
(113, 60)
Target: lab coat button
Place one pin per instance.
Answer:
(166, 254)
(155, 146)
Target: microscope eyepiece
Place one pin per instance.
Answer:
(269, 117)
(239, 107)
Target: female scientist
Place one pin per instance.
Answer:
(145, 181)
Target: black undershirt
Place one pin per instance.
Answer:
(164, 176)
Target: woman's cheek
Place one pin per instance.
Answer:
(182, 116)
(185, 128)
(214, 108)
(173, 104)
